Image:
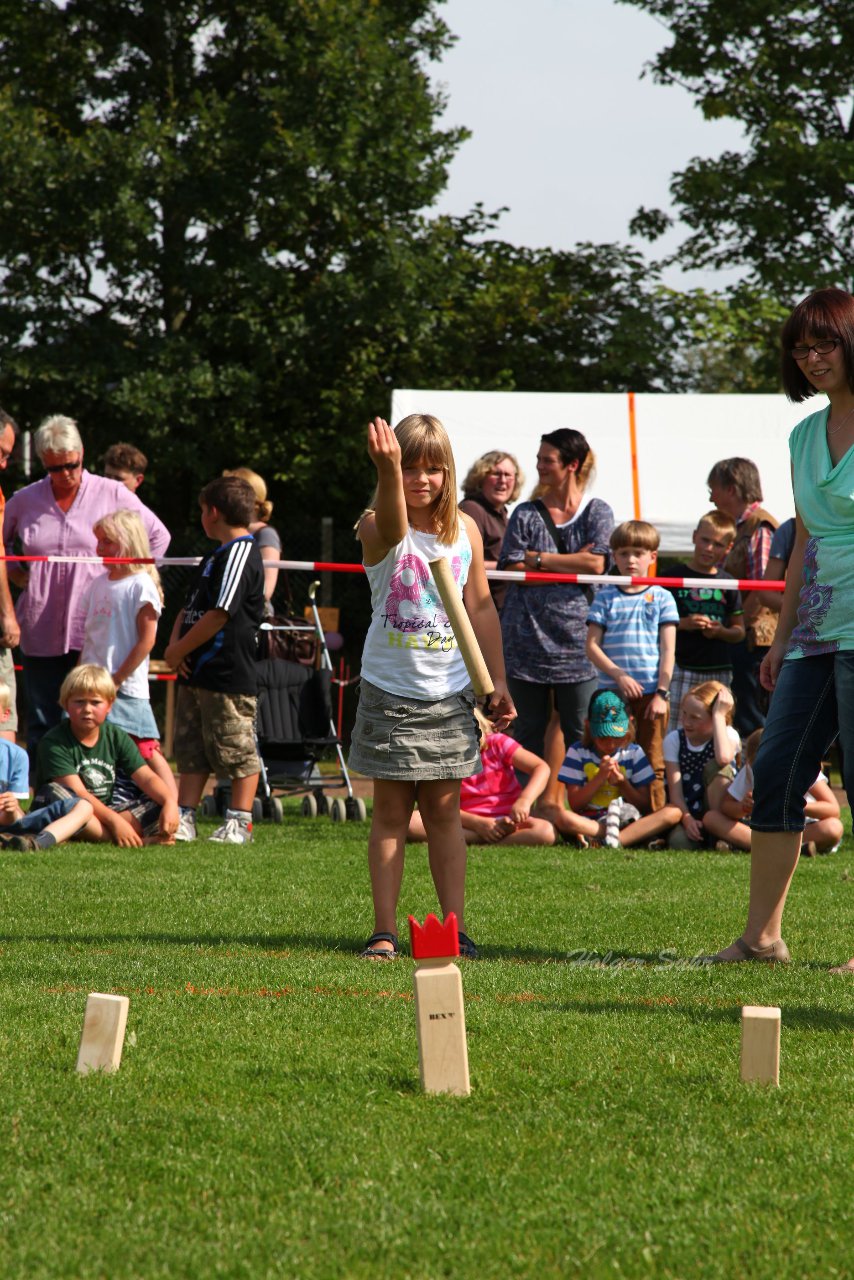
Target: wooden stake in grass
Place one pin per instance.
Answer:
(760, 1043)
(103, 1035)
(463, 631)
(440, 1018)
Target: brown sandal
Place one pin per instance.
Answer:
(774, 953)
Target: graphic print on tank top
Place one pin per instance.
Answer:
(413, 603)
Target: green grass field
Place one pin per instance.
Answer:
(267, 1118)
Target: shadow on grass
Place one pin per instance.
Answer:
(579, 957)
(611, 961)
(340, 944)
(804, 1017)
(263, 941)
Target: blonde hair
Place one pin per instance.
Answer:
(720, 522)
(422, 438)
(85, 681)
(635, 533)
(5, 696)
(479, 470)
(126, 529)
(706, 694)
(263, 509)
(485, 726)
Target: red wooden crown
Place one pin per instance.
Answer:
(434, 940)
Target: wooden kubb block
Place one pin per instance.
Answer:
(760, 1043)
(103, 1035)
(440, 1019)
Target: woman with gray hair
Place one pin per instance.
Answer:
(55, 517)
(492, 482)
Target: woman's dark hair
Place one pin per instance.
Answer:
(572, 447)
(826, 313)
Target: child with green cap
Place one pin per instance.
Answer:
(608, 779)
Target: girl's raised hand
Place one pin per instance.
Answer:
(383, 446)
(723, 702)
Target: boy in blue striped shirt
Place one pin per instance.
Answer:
(631, 640)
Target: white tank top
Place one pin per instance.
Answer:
(410, 647)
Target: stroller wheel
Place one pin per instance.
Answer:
(355, 807)
(257, 810)
(322, 803)
(309, 806)
(338, 810)
(277, 813)
(209, 807)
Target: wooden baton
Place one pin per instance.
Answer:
(461, 627)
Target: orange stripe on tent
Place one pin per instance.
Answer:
(633, 448)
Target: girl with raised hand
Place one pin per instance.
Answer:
(415, 732)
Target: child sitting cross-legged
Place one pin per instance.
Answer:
(730, 821)
(81, 756)
(43, 826)
(700, 758)
(494, 807)
(608, 779)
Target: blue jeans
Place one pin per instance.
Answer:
(532, 704)
(812, 704)
(751, 699)
(36, 819)
(43, 678)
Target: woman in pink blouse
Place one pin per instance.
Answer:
(55, 517)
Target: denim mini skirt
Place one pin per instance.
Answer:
(134, 715)
(409, 740)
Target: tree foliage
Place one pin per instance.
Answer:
(196, 195)
(215, 241)
(782, 208)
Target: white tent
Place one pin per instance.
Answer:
(677, 439)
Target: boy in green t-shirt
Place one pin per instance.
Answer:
(81, 756)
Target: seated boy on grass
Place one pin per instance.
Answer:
(44, 826)
(81, 756)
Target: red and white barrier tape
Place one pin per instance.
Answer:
(495, 575)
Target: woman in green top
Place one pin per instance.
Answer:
(810, 665)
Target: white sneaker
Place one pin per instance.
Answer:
(232, 831)
(186, 827)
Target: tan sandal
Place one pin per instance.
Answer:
(774, 953)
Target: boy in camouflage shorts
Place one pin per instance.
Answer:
(213, 648)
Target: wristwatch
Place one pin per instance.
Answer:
(663, 693)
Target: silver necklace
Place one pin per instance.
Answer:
(831, 431)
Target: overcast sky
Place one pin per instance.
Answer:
(564, 131)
